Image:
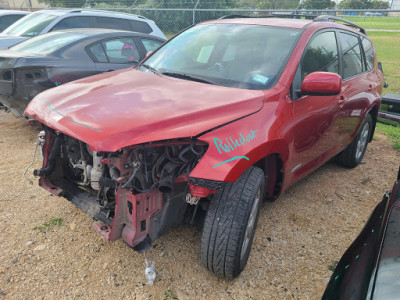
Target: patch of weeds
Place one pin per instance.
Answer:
(169, 295)
(49, 224)
(392, 132)
(333, 265)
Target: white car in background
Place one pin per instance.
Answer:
(48, 20)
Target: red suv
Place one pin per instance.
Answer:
(226, 114)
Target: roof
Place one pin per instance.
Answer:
(106, 32)
(289, 23)
(92, 12)
(13, 12)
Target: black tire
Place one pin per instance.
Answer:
(226, 223)
(354, 153)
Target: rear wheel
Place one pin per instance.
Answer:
(230, 224)
(354, 153)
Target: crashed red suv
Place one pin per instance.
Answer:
(226, 114)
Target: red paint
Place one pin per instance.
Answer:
(199, 191)
(321, 82)
(130, 213)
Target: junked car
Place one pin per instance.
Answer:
(223, 116)
(48, 20)
(59, 57)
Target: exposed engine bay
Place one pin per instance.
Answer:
(138, 192)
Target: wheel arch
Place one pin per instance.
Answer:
(272, 166)
(374, 115)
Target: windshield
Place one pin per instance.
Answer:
(31, 25)
(233, 55)
(47, 43)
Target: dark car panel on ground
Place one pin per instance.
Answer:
(370, 268)
(59, 57)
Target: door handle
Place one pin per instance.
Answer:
(341, 101)
(370, 88)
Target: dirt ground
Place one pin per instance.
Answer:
(297, 239)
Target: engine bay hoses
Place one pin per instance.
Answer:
(51, 162)
(130, 178)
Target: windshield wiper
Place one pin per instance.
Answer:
(151, 69)
(188, 77)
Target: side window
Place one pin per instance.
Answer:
(121, 51)
(369, 53)
(352, 61)
(150, 45)
(6, 21)
(98, 53)
(321, 55)
(111, 23)
(72, 22)
(140, 26)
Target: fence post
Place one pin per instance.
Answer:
(194, 12)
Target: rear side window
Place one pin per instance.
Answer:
(98, 52)
(150, 45)
(140, 26)
(369, 54)
(116, 51)
(111, 23)
(6, 21)
(352, 61)
(321, 55)
(72, 22)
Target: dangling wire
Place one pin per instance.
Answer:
(33, 161)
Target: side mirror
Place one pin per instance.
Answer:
(321, 84)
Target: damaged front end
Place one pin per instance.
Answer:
(138, 192)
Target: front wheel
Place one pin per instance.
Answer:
(230, 224)
(354, 153)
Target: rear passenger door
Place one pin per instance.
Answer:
(115, 54)
(358, 87)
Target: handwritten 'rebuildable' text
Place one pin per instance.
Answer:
(231, 144)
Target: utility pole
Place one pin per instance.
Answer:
(194, 11)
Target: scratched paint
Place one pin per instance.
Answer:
(66, 118)
(232, 144)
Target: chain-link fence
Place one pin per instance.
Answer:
(173, 16)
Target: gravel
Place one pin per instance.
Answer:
(298, 236)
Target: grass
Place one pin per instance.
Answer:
(387, 45)
(49, 224)
(333, 265)
(391, 23)
(169, 295)
(392, 132)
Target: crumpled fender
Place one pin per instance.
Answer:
(235, 147)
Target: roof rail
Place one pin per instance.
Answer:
(315, 18)
(275, 15)
(326, 18)
(79, 10)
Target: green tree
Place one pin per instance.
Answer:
(277, 4)
(318, 4)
